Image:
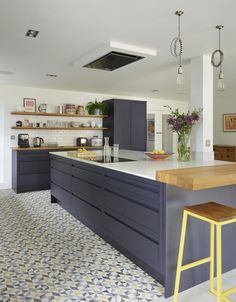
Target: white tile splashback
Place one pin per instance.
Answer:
(62, 137)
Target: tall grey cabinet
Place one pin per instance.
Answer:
(126, 124)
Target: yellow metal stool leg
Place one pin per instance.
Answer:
(212, 255)
(219, 262)
(180, 257)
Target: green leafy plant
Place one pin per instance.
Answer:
(92, 106)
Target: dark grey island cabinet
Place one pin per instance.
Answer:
(141, 217)
(123, 209)
(126, 124)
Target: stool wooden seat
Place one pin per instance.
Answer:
(213, 211)
(216, 215)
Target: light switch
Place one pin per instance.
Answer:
(12, 137)
(208, 143)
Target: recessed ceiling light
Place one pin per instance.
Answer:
(155, 90)
(6, 72)
(32, 33)
(51, 75)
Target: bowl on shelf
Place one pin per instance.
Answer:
(87, 125)
(75, 124)
(158, 156)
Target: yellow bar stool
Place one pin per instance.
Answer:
(217, 215)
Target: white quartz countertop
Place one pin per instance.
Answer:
(144, 166)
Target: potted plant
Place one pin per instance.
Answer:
(182, 124)
(97, 108)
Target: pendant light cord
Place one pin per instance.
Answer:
(181, 44)
(219, 48)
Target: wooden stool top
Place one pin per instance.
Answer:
(214, 211)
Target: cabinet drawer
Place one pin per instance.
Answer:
(89, 176)
(87, 213)
(87, 191)
(34, 156)
(61, 179)
(140, 218)
(63, 197)
(34, 167)
(227, 156)
(138, 245)
(33, 179)
(61, 166)
(147, 194)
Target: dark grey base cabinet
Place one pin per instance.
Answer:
(126, 123)
(31, 170)
(125, 210)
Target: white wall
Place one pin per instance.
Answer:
(11, 97)
(221, 106)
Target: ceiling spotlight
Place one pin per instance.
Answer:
(51, 75)
(6, 72)
(176, 50)
(31, 33)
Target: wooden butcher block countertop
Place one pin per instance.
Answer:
(199, 178)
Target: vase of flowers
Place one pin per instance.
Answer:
(182, 124)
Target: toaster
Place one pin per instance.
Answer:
(82, 141)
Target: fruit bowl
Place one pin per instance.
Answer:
(158, 156)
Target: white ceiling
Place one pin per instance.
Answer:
(72, 28)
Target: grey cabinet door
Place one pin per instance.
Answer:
(138, 126)
(122, 124)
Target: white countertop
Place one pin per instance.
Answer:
(144, 166)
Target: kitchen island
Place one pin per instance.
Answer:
(137, 207)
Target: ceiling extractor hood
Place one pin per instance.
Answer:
(113, 60)
(113, 56)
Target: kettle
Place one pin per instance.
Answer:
(38, 141)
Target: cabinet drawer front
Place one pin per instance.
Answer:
(34, 156)
(34, 167)
(61, 166)
(140, 218)
(61, 179)
(91, 177)
(87, 191)
(140, 246)
(63, 197)
(145, 194)
(31, 179)
(229, 156)
(229, 149)
(225, 156)
(86, 213)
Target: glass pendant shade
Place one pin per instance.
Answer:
(180, 76)
(221, 82)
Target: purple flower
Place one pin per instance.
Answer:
(180, 120)
(189, 119)
(195, 117)
(170, 121)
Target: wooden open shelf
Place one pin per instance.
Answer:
(58, 128)
(56, 114)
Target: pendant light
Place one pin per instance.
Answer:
(219, 52)
(176, 50)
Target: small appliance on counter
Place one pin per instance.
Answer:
(38, 141)
(82, 142)
(23, 140)
(19, 123)
(96, 141)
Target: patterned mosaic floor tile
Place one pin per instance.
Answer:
(48, 255)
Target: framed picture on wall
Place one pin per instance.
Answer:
(229, 122)
(151, 129)
(29, 105)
